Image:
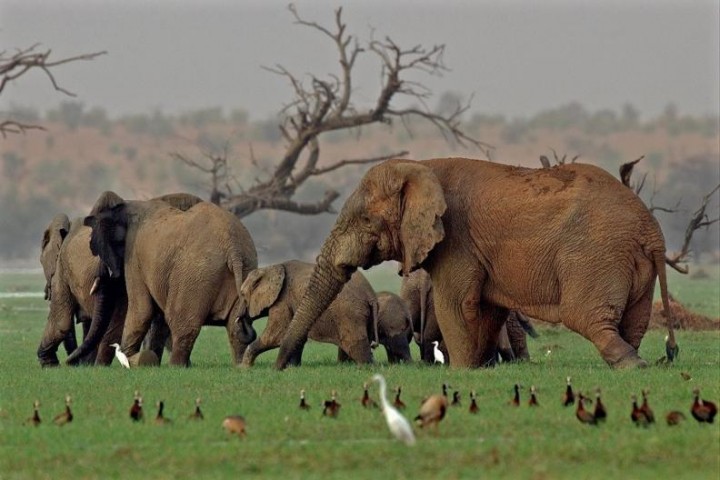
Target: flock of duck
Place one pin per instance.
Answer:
(432, 409)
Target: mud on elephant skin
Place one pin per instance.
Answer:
(394, 327)
(350, 322)
(187, 265)
(569, 244)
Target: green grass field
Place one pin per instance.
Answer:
(284, 442)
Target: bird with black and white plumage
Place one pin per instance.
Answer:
(35, 419)
(455, 399)
(473, 403)
(569, 395)
(396, 422)
(331, 408)
(703, 411)
(304, 405)
(136, 411)
(66, 416)
(515, 402)
(637, 415)
(600, 412)
(398, 403)
(533, 402)
(160, 418)
(365, 400)
(583, 415)
(197, 414)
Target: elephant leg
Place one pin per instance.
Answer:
(70, 340)
(237, 346)
(634, 322)
(296, 359)
(183, 342)
(598, 322)
(492, 320)
(342, 356)
(517, 338)
(158, 335)
(137, 323)
(504, 348)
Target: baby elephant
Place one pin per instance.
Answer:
(394, 327)
(350, 322)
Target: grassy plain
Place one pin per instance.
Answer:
(284, 442)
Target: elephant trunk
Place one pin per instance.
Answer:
(105, 300)
(325, 284)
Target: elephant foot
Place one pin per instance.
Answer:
(620, 354)
(631, 362)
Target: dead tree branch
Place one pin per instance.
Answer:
(698, 220)
(325, 104)
(15, 65)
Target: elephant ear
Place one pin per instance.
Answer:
(422, 204)
(106, 202)
(262, 288)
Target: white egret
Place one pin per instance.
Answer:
(397, 423)
(122, 358)
(439, 357)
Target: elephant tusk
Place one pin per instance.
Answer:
(110, 272)
(95, 286)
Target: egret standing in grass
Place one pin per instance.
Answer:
(398, 425)
(439, 357)
(122, 358)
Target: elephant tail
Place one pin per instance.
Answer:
(236, 266)
(375, 316)
(671, 346)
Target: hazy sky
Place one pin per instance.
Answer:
(517, 57)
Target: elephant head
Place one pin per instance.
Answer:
(108, 220)
(50, 249)
(394, 214)
(261, 289)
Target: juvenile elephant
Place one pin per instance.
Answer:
(394, 327)
(186, 264)
(567, 244)
(71, 270)
(349, 322)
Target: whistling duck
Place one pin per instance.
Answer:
(600, 413)
(366, 401)
(303, 404)
(432, 410)
(197, 414)
(674, 418)
(35, 419)
(66, 416)
(456, 399)
(702, 410)
(583, 415)
(568, 396)
(515, 402)
(685, 376)
(533, 397)
(445, 387)
(473, 403)
(160, 417)
(637, 415)
(649, 414)
(234, 424)
(331, 407)
(136, 412)
(397, 403)
(396, 422)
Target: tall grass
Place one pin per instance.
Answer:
(284, 442)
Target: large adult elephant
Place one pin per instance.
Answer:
(187, 265)
(78, 286)
(568, 244)
(350, 321)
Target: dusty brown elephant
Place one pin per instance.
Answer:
(394, 327)
(72, 269)
(349, 322)
(416, 291)
(189, 265)
(568, 244)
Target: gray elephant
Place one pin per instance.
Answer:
(186, 264)
(349, 322)
(570, 245)
(70, 266)
(394, 327)
(52, 241)
(416, 291)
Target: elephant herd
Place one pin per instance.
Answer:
(480, 246)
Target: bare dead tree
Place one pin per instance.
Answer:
(322, 105)
(698, 220)
(15, 65)
(545, 161)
